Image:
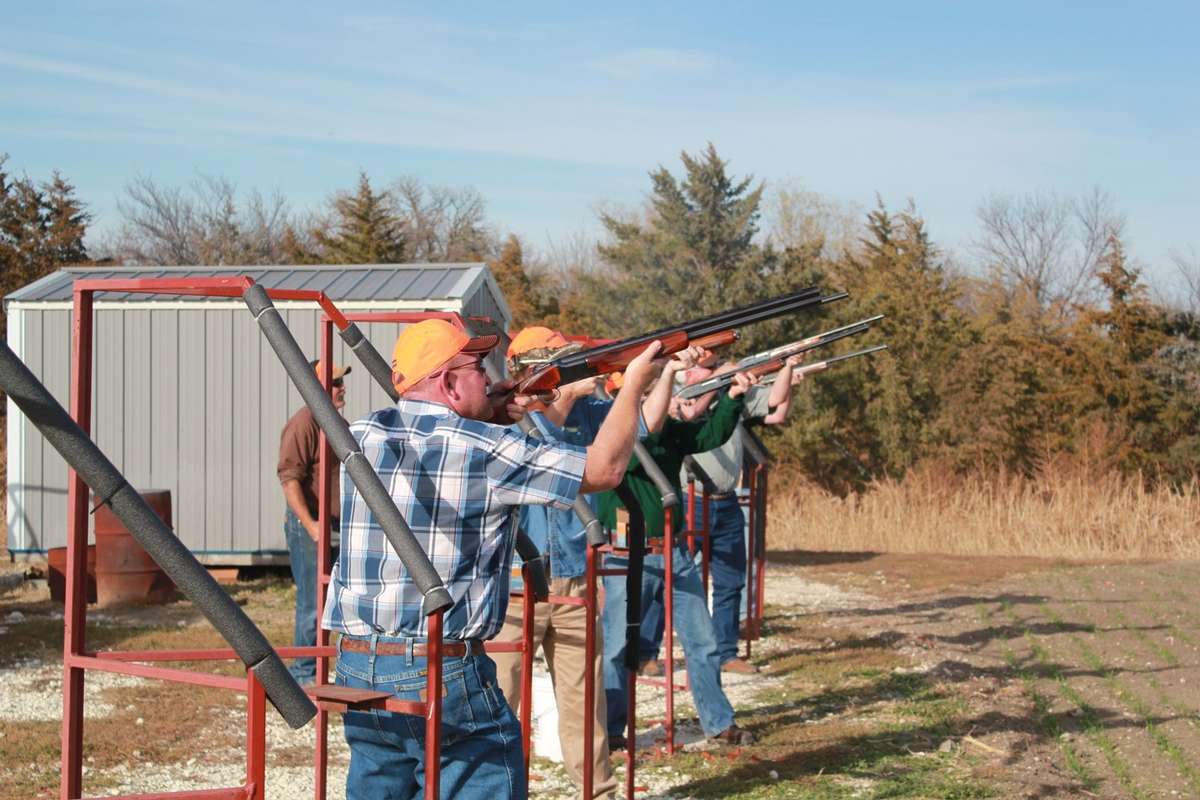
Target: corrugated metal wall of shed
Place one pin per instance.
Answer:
(191, 400)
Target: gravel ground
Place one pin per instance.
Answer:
(30, 690)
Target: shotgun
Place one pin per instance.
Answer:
(772, 360)
(711, 331)
(818, 366)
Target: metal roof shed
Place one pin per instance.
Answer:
(188, 395)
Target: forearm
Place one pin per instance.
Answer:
(295, 501)
(558, 411)
(656, 404)
(780, 398)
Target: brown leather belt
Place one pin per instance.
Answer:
(457, 649)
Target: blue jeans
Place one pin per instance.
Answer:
(727, 573)
(302, 552)
(481, 737)
(695, 629)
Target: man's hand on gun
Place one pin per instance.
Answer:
(742, 382)
(797, 374)
(644, 369)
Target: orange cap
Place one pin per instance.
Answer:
(535, 337)
(337, 371)
(422, 348)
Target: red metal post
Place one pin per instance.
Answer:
(589, 676)
(630, 730)
(433, 707)
(669, 624)
(706, 545)
(527, 612)
(689, 517)
(75, 611)
(761, 550)
(256, 738)
(325, 467)
(752, 522)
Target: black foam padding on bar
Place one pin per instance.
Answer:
(636, 543)
(277, 681)
(370, 358)
(656, 476)
(155, 537)
(337, 433)
(532, 557)
(595, 532)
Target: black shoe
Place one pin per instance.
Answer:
(734, 736)
(616, 742)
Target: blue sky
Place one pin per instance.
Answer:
(551, 110)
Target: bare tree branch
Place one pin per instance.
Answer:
(1047, 245)
(204, 224)
(1188, 266)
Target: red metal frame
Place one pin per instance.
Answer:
(77, 659)
(756, 562)
(760, 552)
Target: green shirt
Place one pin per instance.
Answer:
(668, 447)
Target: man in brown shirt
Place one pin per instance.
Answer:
(298, 473)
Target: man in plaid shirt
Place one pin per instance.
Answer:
(458, 480)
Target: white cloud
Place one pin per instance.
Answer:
(655, 61)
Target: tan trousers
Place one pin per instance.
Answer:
(560, 630)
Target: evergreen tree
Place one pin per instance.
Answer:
(65, 222)
(364, 227)
(509, 271)
(694, 254)
(41, 229)
(876, 417)
(1111, 369)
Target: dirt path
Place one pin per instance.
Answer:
(882, 676)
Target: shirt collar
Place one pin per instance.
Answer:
(421, 408)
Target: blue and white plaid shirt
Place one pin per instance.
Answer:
(458, 483)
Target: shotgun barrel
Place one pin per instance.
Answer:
(772, 360)
(818, 366)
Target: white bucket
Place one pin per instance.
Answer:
(545, 719)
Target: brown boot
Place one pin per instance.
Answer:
(651, 669)
(734, 736)
(739, 666)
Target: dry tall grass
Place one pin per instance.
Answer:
(1067, 512)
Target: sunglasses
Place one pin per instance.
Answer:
(476, 365)
(336, 383)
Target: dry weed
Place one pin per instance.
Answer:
(1064, 512)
